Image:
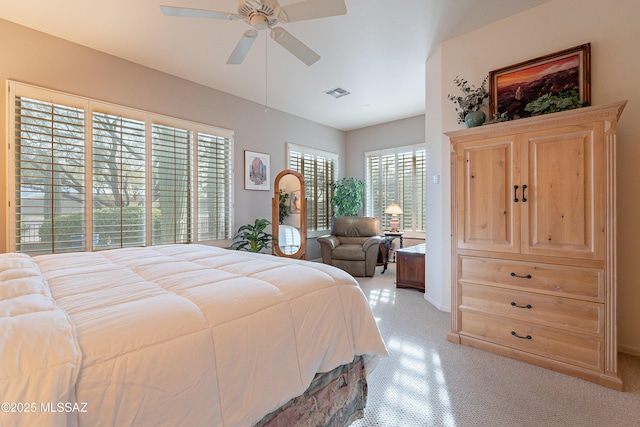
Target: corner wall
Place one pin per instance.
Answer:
(613, 33)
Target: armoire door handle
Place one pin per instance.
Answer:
(525, 337)
(515, 193)
(528, 276)
(513, 303)
(524, 199)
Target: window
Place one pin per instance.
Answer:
(319, 169)
(118, 182)
(90, 175)
(171, 159)
(397, 175)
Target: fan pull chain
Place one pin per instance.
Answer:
(266, 71)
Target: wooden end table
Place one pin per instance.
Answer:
(410, 268)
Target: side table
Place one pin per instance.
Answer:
(389, 236)
(410, 269)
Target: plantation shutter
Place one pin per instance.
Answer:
(118, 182)
(419, 188)
(319, 170)
(89, 175)
(396, 176)
(49, 177)
(215, 190)
(171, 154)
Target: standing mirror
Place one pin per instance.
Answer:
(289, 215)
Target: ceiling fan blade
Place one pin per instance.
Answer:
(195, 13)
(295, 46)
(242, 48)
(313, 9)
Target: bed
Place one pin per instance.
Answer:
(176, 335)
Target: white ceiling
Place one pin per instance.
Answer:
(377, 51)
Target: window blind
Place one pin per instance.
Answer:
(118, 174)
(397, 176)
(49, 177)
(215, 190)
(319, 170)
(171, 152)
(91, 175)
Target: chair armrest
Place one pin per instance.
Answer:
(332, 241)
(327, 244)
(373, 240)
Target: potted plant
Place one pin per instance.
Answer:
(252, 238)
(284, 207)
(470, 102)
(348, 196)
(553, 102)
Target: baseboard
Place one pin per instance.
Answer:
(435, 303)
(634, 351)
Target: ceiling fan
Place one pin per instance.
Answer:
(263, 14)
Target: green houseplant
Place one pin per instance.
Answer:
(284, 207)
(252, 237)
(553, 102)
(348, 196)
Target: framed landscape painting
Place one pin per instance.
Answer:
(512, 88)
(257, 174)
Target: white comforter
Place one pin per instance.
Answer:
(191, 335)
(39, 354)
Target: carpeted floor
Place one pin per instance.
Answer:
(428, 381)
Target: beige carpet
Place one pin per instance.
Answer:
(428, 381)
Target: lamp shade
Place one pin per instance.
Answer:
(393, 209)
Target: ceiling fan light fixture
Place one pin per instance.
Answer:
(338, 92)
(259, 22)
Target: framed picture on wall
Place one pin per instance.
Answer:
(512, 88)
(257, 171)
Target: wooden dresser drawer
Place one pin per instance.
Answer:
(561, 280)
(575, 349)
(564, 313)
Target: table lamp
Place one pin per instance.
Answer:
(394, 210)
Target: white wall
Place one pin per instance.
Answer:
(437, 290)
(614, 34)
(33, 57)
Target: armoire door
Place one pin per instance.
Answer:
(487, 217)
(563, 170)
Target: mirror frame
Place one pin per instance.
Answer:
(275, 216)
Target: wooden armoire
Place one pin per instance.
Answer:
(534, 240)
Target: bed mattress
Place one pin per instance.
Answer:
(173, 335)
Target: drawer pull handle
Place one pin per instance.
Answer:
(513, 303)
(515, 193)
(528, 276)
(528, 337)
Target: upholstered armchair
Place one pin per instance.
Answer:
(352, 245)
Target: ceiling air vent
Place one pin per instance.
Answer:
(338, 92)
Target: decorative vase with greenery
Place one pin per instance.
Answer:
(470, 102)
(348, 196)
(284, 207)
(252, 238)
